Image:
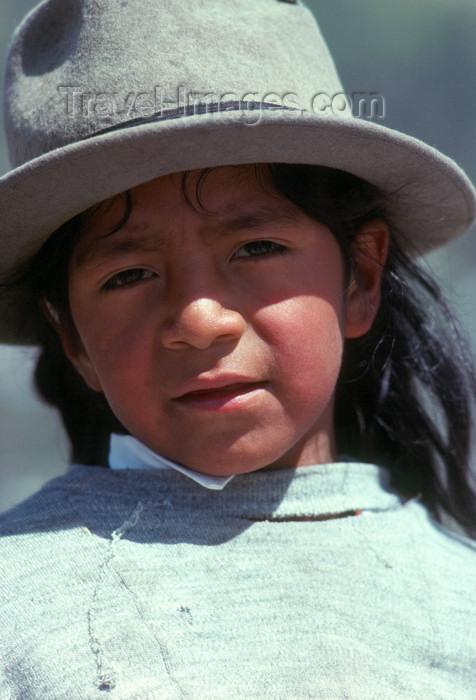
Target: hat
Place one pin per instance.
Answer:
(103, 95)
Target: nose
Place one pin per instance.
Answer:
(201, 322)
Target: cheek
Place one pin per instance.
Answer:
(304, 328)
(113, 342)
(310, 311)
(306, 337)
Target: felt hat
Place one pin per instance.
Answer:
(102, 95)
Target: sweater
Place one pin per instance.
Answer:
(320, 582)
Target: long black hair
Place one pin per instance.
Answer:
(406, 391)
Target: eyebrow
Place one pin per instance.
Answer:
(141, 238)
(110, 245)
(254, 217)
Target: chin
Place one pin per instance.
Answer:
(226, 467)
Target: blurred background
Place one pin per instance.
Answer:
(420, 56)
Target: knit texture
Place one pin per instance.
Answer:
(312, 583)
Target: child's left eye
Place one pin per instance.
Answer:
(256, 249)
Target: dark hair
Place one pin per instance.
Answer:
(406, 391)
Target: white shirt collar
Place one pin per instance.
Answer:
(126, 452)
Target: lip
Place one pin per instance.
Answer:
(219, 393)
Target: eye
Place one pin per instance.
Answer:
(128, 277)
(256, 249)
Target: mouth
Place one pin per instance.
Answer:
(229, 396)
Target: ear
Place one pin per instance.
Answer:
(71, 343)
(363, 293)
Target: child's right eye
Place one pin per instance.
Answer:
(128, 277)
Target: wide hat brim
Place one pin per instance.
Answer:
(430, 202)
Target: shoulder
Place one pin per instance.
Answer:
(48, 507)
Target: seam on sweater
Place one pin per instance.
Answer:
(301, 518)
(162, 648)
(105, 676)
(322, 516)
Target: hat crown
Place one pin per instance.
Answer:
(77, 67)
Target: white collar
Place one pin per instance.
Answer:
(126, 452)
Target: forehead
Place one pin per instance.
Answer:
(216, 202)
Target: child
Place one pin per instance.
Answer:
(220, 273)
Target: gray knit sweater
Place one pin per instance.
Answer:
(141, 584)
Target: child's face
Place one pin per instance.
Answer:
(216, 333)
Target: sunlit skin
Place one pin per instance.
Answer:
(216, 331)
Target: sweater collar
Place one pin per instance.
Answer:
(322, 489)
